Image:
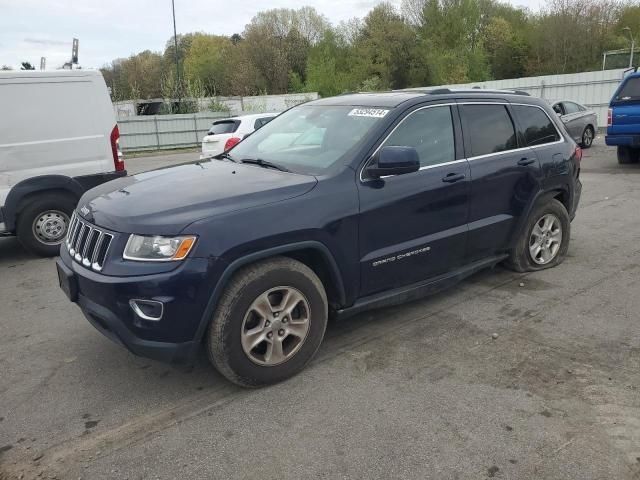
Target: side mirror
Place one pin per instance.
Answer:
(394, 161)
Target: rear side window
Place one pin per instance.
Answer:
(570, 107)
(489, 129)
(225, 126)
(430, 132)
(537, 127)
(630, 90)
(261, 122)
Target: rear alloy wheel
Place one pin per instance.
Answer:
(269, 322)
(544, 240)
(587, 137)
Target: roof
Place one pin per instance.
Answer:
(13, 74)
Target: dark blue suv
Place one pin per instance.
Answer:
(334, 207)
(623, 120)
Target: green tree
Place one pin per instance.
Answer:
(204, 62)
(27, 66)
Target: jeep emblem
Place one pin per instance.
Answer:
(84, 210)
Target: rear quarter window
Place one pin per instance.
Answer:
(537, 128)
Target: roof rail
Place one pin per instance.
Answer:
(443, 91)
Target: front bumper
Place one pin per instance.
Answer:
(184, 291)
(623, 140)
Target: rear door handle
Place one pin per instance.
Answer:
(523, 162)
(453, 177)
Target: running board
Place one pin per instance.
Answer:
(416, 291)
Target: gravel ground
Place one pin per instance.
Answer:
(419, 391)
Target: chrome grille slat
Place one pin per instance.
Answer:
(87, 244)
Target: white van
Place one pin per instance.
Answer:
(58, 138)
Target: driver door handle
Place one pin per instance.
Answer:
(453, 177)
(523, 162)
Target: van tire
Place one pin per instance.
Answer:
(628, 155)
(520, 258)
(59, 208)
(226, 333)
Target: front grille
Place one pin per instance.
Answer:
(87, 244)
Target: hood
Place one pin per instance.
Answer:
(163, 202)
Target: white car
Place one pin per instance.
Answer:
(58, 138)
(227, 132)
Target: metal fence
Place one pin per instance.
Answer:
(163, 132)
(592, 89)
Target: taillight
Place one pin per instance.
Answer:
(232, 142)
(578, 155)
(118, 162)
(610, 117)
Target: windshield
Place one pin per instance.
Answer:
(310, 138)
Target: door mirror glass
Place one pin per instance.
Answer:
(394, 160)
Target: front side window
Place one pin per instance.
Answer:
(430, 132)
(310, 138)
(537, 127)
(489, 129)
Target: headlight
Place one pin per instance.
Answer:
(157, 249)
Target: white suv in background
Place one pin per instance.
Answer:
(58, 138)
(227, 132)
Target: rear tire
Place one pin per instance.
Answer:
(269, 322)
(43, 222)
(627, 155)
(587, 137)
(544, 241)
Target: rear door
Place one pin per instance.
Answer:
(504, 176)
(414, 226)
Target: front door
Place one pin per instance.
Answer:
(414, 226)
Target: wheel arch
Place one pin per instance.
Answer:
(560, 193)
(25, 190)
(312, 253)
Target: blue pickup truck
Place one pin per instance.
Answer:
(623, 120)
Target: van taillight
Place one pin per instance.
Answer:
(118, 162)
(609, 117)
(232, 142)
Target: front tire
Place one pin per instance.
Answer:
(269, 322)
(43, 222)
(587, 137)
(544, 241)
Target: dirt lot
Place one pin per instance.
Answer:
(420, 391)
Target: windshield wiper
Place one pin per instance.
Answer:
(225, 156)
(264, 163)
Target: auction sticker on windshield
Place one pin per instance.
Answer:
(368, 112)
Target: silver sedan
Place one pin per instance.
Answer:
(579, 121)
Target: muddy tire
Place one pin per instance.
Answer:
(269, 322)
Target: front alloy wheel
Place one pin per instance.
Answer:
(545, 239)
(275, 326)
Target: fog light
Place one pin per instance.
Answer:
(151, 310)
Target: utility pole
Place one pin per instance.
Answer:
(175, 42)
(633, 45)
(43, 63)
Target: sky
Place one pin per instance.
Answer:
(110, 29)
